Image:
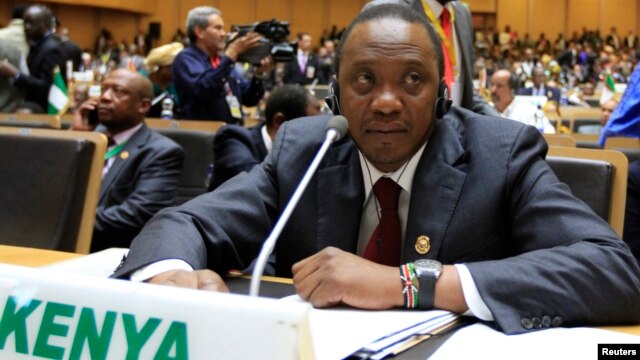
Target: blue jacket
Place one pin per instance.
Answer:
(201, 88)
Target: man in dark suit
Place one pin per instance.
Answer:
(238, 149)
(461, 91)
(539, 87)
(142, 167)
(306, 67)
(45, 55)
(471, 192)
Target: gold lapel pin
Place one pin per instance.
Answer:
(124, 155)
(423, 244)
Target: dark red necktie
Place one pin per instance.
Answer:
(384, 245)
(445, 21)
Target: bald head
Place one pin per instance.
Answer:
(38, 21)
(125, 99)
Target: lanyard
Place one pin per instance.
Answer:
(448, 44)
(114, 151)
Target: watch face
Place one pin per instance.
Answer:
(423, 265)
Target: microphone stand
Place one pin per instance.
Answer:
(332, 135)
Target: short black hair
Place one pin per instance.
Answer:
(18, 11)
(392, 11)
(291, 100)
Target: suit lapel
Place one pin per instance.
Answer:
(131, 148)
(436, 189)
(340, 198)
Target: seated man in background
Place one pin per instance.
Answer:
(142, 167)
(474, 219)
(503, 89)
(540, 87)
(238, 149)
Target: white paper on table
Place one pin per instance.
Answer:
(339, 332)
(479, 341)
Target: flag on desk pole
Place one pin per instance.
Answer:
(609, 89)
(58, 94)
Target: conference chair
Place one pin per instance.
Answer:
(586, 126)
(198, 162)
(560, 140)
(619, 142)
(49, 186)
(587, 141)
(597, 177)
(210, 126)
(30, 120)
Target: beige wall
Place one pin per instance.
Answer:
(566, 16)
(314, 16)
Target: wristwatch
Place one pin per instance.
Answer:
(427, 271)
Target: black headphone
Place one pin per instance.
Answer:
(442, 106)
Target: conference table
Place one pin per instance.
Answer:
(31, 257)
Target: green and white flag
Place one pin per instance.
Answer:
(609, 89)
(58, 95)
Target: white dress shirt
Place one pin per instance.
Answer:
(119, 139)
(524, 112)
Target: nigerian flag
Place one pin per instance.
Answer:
(58, 98)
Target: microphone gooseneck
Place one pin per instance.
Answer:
(336, 128)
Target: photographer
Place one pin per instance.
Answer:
(207, 84)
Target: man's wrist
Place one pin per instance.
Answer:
(409, 286)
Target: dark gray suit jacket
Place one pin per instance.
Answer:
(43, 58)
(142, 180)
(236, 149)
(482, 192)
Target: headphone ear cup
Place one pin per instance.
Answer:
(443, 104)
(333, 99)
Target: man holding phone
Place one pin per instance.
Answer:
(142, 167)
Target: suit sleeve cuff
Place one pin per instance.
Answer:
(156, 268)
(477, 306)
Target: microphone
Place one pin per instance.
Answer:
(336, 128)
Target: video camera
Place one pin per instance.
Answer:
(274, 41)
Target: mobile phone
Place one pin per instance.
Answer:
(93, 117)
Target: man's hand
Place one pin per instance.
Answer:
(266, 65)
(242, 44)
(333, 277)
(81, 116)
(7, 70)
(198, 279)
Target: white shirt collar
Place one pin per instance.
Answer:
(403, 176)
(121, 137)
(436, 8)
(268, 143)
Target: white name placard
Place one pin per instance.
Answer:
(55, 315)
